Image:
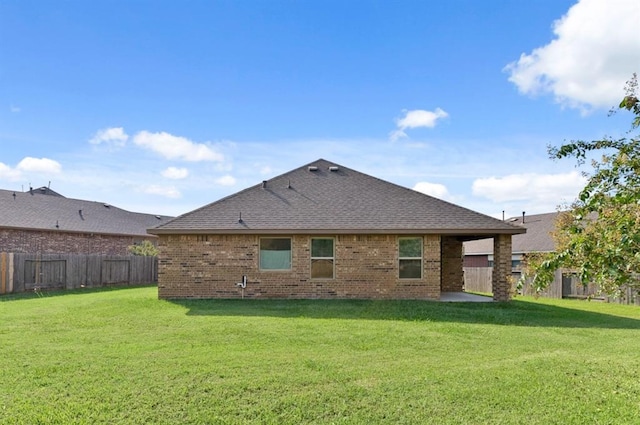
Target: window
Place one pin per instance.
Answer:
(322, 258)
(410, 258)
(275, 254)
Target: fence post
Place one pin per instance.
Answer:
(3, 273)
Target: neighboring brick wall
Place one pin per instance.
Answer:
(501, 277)
(366, 266)
(55, 242)
(452, 275)
(476, 261)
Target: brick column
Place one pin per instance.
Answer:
(452, 279)
(501, 277)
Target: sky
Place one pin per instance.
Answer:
(165, 106)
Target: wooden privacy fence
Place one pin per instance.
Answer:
(478, 279)
(28, 272)
(564, 285)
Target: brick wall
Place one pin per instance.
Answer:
(50, 242)
(501, 277)
(452, 275)
(366, 266)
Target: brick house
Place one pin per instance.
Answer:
(325, 231)
(42, 221)
(537, 239)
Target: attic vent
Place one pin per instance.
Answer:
(107, 205)
(313, 168)
(334, 168)
(158, 217)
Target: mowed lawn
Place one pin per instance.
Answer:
(122, 356)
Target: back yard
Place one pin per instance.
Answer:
(122, 356)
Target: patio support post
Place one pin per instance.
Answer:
(501, 277)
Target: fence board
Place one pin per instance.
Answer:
(478, 279)
(26, 272)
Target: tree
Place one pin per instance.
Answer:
(599, 236)
(145, 248)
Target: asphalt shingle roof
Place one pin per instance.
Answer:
(537, 239)
(35, 211)
(338, 201)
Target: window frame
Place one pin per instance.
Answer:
(421, 258)
(290, 239)
(312, 257)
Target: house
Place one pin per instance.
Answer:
(41, 221)
(326, 231)
(479, 254)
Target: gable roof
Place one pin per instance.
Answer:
(44, 190)
(324, 197)
(537, 239)
(33, 211)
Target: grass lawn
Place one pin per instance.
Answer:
(121, 356)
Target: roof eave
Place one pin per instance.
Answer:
(78, 232)
(457, 232)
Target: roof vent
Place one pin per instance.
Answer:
(264, 184)
(158, 217)
(334, 168)
(106, 205)
(313, 168)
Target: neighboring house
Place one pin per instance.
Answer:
(42, 221)
(538, 238)
(326, 231)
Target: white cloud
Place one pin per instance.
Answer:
(9, 173)
(29, 165)
(545, 188)
(113, 136)
(39, 165)
(175, 173)
(166, 191)
(595, 51)
(436, 190)
(226, 180)
(176, 147)
(415, 119)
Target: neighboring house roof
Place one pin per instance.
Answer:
(537, 239)
(324, 197)
(44, 190)
(31, 211)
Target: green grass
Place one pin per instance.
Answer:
(121, 356)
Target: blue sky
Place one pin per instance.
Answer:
(164, 106)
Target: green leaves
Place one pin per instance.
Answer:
(599, 239)
(145, 248)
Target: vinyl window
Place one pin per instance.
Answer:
(322, 258)
(410, 258)
(275, 254)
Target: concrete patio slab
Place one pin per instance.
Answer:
(464, 297)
